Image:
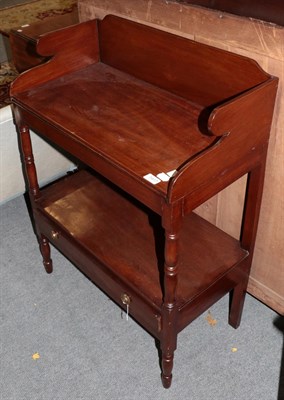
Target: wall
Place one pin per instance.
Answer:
(51, 164)
(263, 42)
(267, 10)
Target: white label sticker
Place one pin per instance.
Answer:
(152, 178)
(164, 177)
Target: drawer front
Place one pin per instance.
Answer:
(148, 315)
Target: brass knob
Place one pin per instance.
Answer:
(54, 234)
(125, 299)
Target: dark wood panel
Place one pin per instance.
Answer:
(197, 72)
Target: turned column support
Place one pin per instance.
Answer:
(34, 192)
(28, 160)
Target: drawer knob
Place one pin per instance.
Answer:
(55, 235)
(125, 299)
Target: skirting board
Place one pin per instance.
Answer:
(266, 295)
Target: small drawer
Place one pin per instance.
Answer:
(119, 290)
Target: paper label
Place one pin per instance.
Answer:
(161, 177)
(164, 177)
(152, 178)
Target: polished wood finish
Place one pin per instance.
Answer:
(125, 114)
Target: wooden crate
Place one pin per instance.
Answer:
(265, 43)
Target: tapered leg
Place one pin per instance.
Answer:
(248, 236)
(237, 303)
(45, 252)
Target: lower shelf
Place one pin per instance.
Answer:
(126, 239)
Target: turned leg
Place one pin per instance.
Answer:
(167, 367)
(248, 236)
(171, 223)
(45, 252)
(168, 346)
